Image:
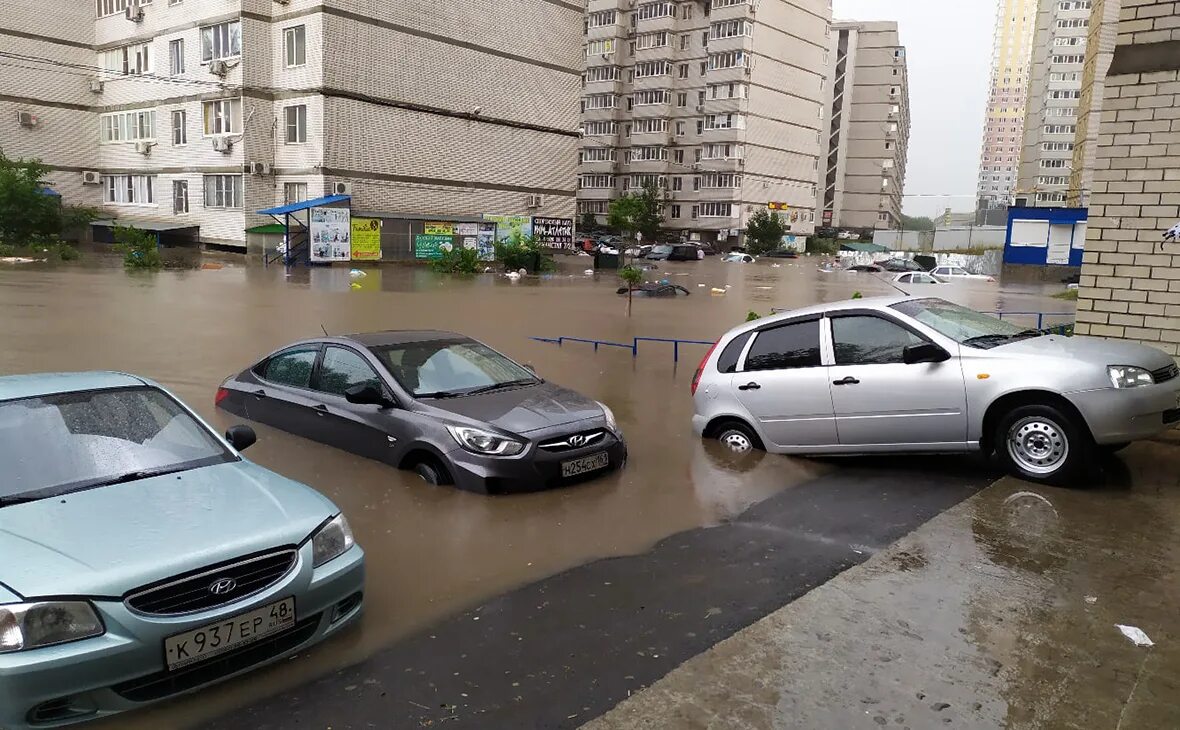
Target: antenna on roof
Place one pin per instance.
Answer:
(895, 286)
(325, 329)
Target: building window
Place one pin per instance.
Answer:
(595, 129)
(596, 182)
(696, 209)
(223, 191)
(730, 29)
(601, 19)
(720, 180)
(296, 123)
(128, 60)
(729, 59)
(294, 192)
(179, 127)
(684, 41)
(133, 126)
(678, 157)
(222, 117)
(180, 196)
(223, 40)
(650, 126)
(176, 57)
(675, 212)
(112, 7)
(295, 46)
(724, 121)
(677, 184)
(652, 40)
(650, 97)
(716, 210)
(648, 69)
(602, 73)
(682, 72)
(129, 189)
(605, 47)
(682, 99)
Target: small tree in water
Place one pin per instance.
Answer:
(28, 215)
(138, 247)
(764, 232)
(641, 212)
(632, 276)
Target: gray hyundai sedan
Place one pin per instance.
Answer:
(443, 405)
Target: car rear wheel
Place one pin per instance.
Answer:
(432, 472)
(1041, 444)
(738, 438)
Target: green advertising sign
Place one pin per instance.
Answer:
(431, 246)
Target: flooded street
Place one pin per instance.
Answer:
(433, 551)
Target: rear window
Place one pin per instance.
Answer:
(727, 362)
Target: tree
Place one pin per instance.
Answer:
(917, 224)
(27, 214)
(641, 212)
(139, 248)
(764, 232)
(632, 276)
(589, 222)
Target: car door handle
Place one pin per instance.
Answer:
(846, 381)
(259, 394)
(321, 410)
(750, 386)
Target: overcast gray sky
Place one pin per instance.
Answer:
(948, 49)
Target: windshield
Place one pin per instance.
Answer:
(965, 326)
(662, 249)
(448, 368)
(67, 442)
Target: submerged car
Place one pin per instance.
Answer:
(897, 374)
(917, 277)
(958, 272)
(143, 557)
(738, 257)
(899, 265)
(443, 405)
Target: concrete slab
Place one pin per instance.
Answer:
(1001, 612)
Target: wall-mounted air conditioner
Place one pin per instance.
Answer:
(91, 177)
(533, 201)
(133, 12)
(222, 144)
(256, 168)
(144, 148)
(96, 86)
(342, 188)
(218, 68)
(28, 120)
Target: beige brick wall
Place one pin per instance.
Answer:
(1130, 282)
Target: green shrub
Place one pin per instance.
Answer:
(7, 250)
(138, 248)
(459, 260)
(68, 253)
(523, 252)
(822, 245)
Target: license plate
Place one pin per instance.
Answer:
(233, 633)
(594, 462)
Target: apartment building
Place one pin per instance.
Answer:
(718, 103)
(1004, 127)
(1053, 103)
(193, 114)
(1104, 25)
(867, 127)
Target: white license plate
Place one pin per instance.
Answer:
(594, 462)
(233, 633)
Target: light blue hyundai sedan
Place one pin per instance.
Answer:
(142, 557)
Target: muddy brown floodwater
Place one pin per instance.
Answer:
(432, 551)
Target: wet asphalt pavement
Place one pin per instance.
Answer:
(566, 649)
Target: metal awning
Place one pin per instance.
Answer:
(157, 226)
(304, 205)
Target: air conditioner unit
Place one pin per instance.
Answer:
(222, 144)
(96, 86)
(144, 148)
(256, 168)
(218, 68)
(133, 12)
(91, 177)
(534, 201)
(27, 119)
(342, 188)
(283, 2)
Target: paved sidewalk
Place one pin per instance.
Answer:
(1000, 612)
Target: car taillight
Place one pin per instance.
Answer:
(696, 379)
(222, 394)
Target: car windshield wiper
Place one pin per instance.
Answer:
(135, 476)
(992, 339)
(501, 386)
(439, 395)
(22, 499)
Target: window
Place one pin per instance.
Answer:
(605, 47)
(179, 196)
(222, 116)
(663, 9)
(730, 29)
(602, 73)
(682, 99)
(695, 209)
(870, 341)
(598, 154)
(684, 41)
(728, 3)
(1057, 146)
(789, 346)
(223, 191)
(1050, 164)
(294, 192)
(179, 127)
(111, 7)
(342, 369)
(648, 69)
(596, 182)
(677, 183)
(1073, 41)
(133, 126)
(686, 11)
(295, 46)
(295, 118)
(602, 18)
(595, 129)
(682, 71)
(652, 40)
(728, 91)
(724, 121)
(291, 368)
(128, 60)
(717, 210)
(600, 101)
(646, 154)
(720, 180)
(223, 40)
(679, 129)
(729, 59)
(595, 207)
(652, 96)
(176, 57)
(650, 126)
(129, 189)
(675, 212)
(721, 151)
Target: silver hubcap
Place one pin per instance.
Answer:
(736, 442)
(1038, 445)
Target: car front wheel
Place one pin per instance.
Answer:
(1041, 444)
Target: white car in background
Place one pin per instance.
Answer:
(738, 257)
(958, 272)
(917, 277)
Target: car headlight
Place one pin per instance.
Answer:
(610, 416)
(1127, 376)
(32, 625)
(485, 442)
(331, 541)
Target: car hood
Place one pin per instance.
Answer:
(524, 410)
(1091, 351)
(107, 541)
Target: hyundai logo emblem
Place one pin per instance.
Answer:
(578, 440)
(223, 586)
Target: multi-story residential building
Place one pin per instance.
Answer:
(1004, 126)
(867, 125)
(1104, 26)
(193, 114)
(716, 102)
(1053, 104)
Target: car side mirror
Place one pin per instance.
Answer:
(531, 368)
(241, 437)
(925, 352)
(366, 394)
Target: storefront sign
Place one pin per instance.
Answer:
(366, 239)
(439, 229)
(554, 232)
(508, 225)
(777, 206)
(331, 234)
(430, 246)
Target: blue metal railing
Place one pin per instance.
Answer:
(633, 347)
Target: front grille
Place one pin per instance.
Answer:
(567, 443)
(165, 684)
(1165, 374)
(212, 587)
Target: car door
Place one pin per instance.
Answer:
(879, 400)
(366, 430)
(784, 385)
(283, 397)
(905, 279)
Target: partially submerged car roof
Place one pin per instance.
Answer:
(402, 337)
(13, 387)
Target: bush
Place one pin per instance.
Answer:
(459, 260)
(523, 252)
(66, 252)
(822, 245)
(6, 250)
(138, 248)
